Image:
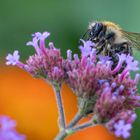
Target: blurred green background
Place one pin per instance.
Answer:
(66, 20)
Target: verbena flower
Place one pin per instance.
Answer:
(107, 90)
(8, 129)
(84, 76)
(13, 59)
(46, 62)
(84, 73)
(115, 96)
(102, 86)
(118, 99)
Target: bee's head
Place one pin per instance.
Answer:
(95, 28)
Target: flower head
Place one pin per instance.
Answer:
(46, 62)
(116, 103)
(46, 65)
(108, 105)
(101, 86)
(84, 73)
(116, 95)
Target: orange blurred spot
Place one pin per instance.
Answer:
(32, 103)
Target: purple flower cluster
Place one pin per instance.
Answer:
(116, 104)
(117, 95)
(112, 92)
(113, 95)
(46, 62)
(84, 73)
(8, 131)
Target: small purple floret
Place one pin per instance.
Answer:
(12, 59)
(86, 49)
(8, 129)
(69, 54)
(34, 43)
(41, 36)
(131, 63)
(122, 129)
(104, 59)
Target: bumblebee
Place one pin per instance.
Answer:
(111, 39)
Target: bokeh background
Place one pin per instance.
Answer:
(31, 101)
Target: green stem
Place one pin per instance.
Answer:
(82, 126)
(76, 119)
(62, 123)
(63, 134)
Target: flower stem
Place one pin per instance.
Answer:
(82, 126)
(63, 134)
(75, 120)
(62, 123)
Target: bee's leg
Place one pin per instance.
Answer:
(102, 33)
(123, 48)
(109, 41)
(101, 38)
(100, 50)
(103, 43)
(128, 48)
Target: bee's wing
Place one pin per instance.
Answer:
(133, 38)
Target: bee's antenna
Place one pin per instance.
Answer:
(84, 35)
